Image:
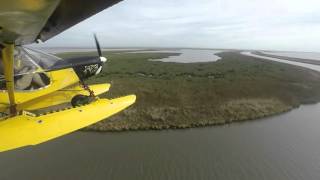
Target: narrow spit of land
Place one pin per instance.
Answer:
(175, 95)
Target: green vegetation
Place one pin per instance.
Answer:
(175, 95)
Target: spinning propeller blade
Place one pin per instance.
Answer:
(97, 44)
(103, 59)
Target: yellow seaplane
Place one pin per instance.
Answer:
(43, 97)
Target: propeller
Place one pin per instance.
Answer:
(103, 59)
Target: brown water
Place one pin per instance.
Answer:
(284, 147)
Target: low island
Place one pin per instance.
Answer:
(184, 95)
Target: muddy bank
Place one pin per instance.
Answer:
(177, 118)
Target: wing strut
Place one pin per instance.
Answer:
(7, 58)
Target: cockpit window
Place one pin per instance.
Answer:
(44, 60)
(29, 70)
(23, 63)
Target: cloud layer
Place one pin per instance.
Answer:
(241, 24)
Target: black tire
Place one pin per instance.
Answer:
(79, 100)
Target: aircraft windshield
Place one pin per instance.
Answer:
(43, 60)
(23, 63)
(29, 67)
(29, 61)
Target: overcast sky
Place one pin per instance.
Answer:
(242, 24)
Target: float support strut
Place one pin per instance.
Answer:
(7, 59)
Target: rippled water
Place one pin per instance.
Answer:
(284, 147)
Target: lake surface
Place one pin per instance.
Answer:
(191, 56)
(306, 65)
(284, 147)
(185, 55)
(301, 55)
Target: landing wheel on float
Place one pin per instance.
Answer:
(79, 100)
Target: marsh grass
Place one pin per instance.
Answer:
(176, 95)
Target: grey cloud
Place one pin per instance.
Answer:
(242, 24)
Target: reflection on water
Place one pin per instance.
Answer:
(284, 147)
(185, 55)
(191, 56)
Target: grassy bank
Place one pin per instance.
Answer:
(173, 95)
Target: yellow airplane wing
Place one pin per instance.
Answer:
(26, 21)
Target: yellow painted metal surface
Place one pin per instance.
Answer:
(24, 130)
(62, 96)
(59, 79)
